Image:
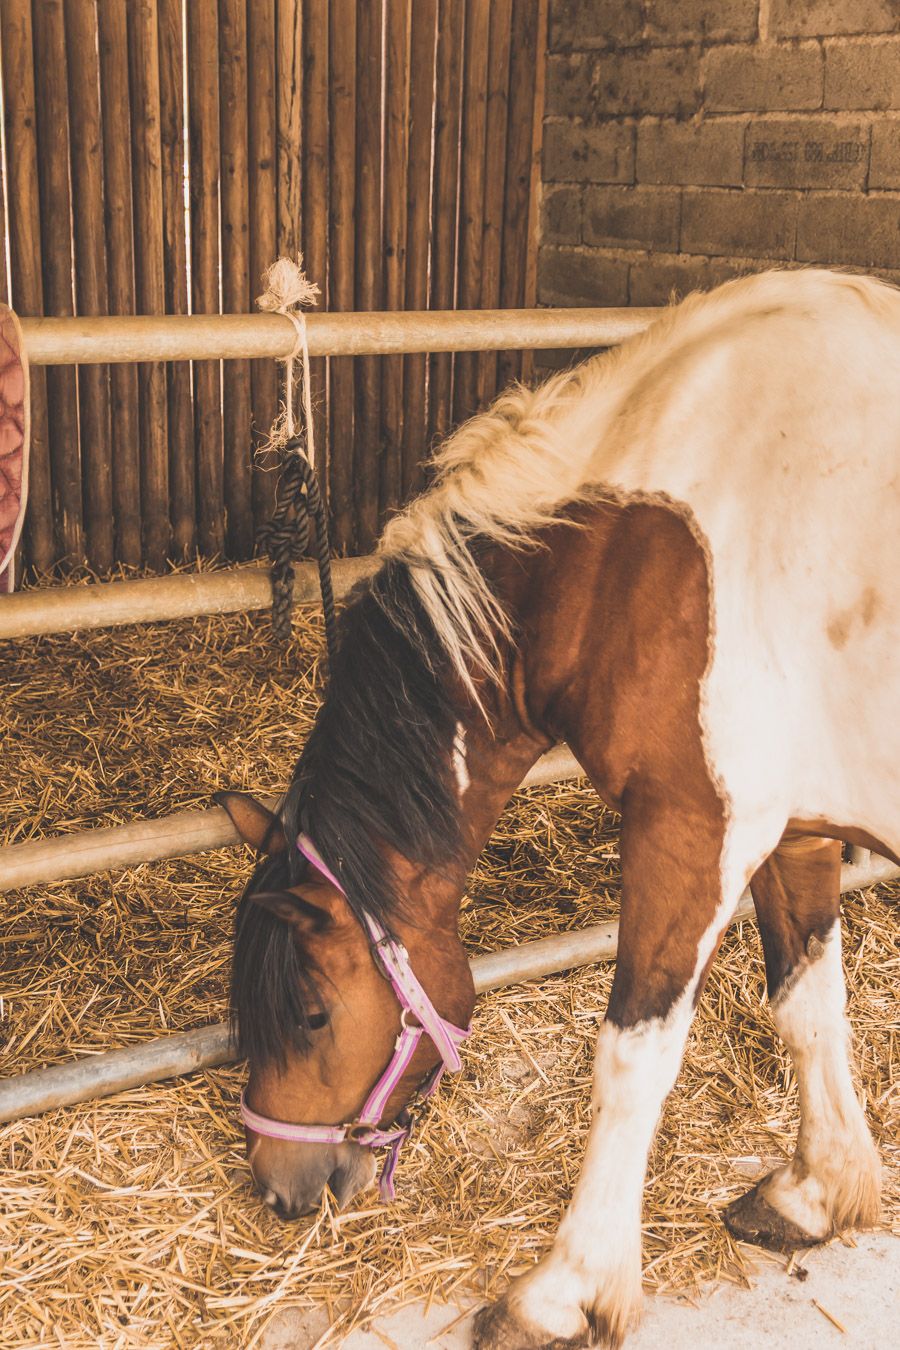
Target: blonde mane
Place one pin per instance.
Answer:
(510, 471)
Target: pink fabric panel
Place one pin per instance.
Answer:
(13, 442)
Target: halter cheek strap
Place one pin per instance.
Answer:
(392, 959)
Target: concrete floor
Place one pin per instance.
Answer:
(859, 1287)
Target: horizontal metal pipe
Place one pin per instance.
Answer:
(213, 337)
(68, 856)
(206, 1047)
(172, 337)
(111, 604)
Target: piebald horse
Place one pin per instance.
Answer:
(682, 559)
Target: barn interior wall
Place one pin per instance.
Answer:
(687, 141)
(156, 157)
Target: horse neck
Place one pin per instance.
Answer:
(428, 925)
(494, 747)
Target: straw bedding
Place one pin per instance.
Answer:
(130, 1222)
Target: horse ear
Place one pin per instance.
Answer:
(312, 908)
(256, 824)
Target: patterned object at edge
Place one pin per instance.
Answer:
(13, 442)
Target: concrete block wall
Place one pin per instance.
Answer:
(687, 141)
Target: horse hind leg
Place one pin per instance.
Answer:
(833, 1180)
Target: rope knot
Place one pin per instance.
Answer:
(287, 286)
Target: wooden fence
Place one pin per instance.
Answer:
(158, 154)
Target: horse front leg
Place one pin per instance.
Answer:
(833, 1180)
(587, 1289)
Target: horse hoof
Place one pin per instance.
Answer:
(497, 1327)
(751, 1218)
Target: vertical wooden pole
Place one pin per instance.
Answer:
(203, 123)
(471, 228)
(125, 437)
(262, 122)
(91, 293)
(517, 236)
(315, 202)
(342, 117)
(51, 91)
(418, 229)
(367, 373)
(289, 96)
(182, 451)
(529, 296)
(143, 64)
(445, 213)
(27, 290)
(495, 180)
(236, 411)
(397, 59)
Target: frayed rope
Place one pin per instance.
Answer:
(299, 502)
(288, 289)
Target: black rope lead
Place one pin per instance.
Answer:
(286, 539)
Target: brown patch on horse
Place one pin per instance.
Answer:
(613, 616)
(796, 893)
(616, 670)
(840, 627)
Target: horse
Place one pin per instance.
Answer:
(680, 558)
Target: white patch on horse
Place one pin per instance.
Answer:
(833, 1179)
(460, 767)
(595, 1261)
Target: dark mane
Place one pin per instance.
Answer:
(376, 767)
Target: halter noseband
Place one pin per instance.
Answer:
(392, 960)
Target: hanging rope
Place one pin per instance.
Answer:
(288, 289)
(298, 499)
(286, 540)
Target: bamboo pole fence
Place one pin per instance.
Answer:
(179, 376)
(52, 115)
(262, 129)
(448, 98)
(24, 230)
(161, 155)
(418, 179)
(125, 445)
(237, 413)
(91, 288)
(203, 120)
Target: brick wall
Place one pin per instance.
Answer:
(686, 141)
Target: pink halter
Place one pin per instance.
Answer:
(393, 960)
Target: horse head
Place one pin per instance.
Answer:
(339, 1031)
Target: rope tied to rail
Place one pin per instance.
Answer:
(298, 499)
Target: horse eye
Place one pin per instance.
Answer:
(316, 1021)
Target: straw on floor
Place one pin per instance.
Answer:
(131, 1222)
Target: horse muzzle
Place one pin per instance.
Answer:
(292, 1177)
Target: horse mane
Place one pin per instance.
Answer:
(376, 770)
(509, 472)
